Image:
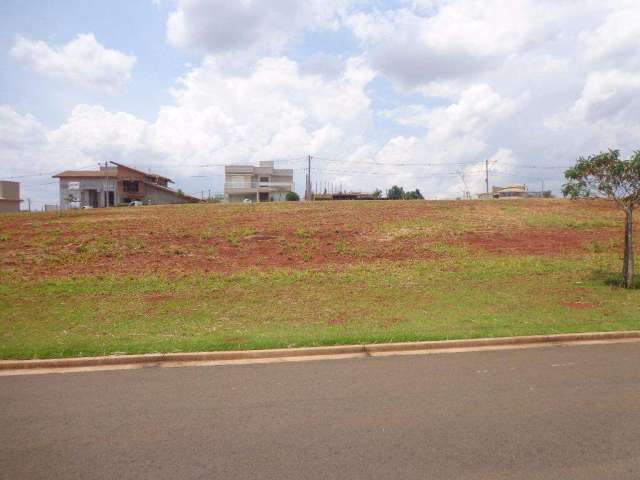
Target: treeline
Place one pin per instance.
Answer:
(397, 193)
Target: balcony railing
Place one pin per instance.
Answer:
(257, 185)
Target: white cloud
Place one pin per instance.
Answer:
(97, 135)
(525, 83)
(615, 42)
(445, 40)
(456, 136)
(238, 118)
(83, 61)
(220, 26)
(414, 116)
(478, 108)
(18, 132)
(273, 111)
(609, 94)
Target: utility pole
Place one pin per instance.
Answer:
(486, 178)
(308, 195)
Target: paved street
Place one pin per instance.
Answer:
(544, 413)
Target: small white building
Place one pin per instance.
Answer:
(263, 183)
(9, 196)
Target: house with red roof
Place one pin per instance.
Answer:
(116, 184)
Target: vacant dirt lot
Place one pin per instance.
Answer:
(218, 277)
(185, 239)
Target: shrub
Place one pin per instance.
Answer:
(292, 197)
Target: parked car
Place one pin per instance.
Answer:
(135, 203)
(86, 207)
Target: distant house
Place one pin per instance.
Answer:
(514, 191)
(9, 196)
(263, 183)
(114, 185)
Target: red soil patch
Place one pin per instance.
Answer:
(544, 242)
(183, 239)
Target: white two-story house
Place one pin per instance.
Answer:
(263, 183)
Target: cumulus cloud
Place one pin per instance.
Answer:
(18, 132)
(615, 41)
(528, 84)
(609, 94)
(459, 128)
(274, 111)
(455, 141)
(83, 61)
(445, 40)
(249, 117)
(220, 26)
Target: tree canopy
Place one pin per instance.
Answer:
(606, 175)
(398, 193)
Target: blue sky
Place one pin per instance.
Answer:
(415, 92)
(136, 27)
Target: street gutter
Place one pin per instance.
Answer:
(117, 362)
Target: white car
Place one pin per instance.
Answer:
(135, 203)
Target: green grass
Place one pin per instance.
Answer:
(463, 296)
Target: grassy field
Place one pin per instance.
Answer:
(217, 277)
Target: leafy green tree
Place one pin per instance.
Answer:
(395, 193)
(606, 175)
(377, 193)
(292, 197)
(414, 195)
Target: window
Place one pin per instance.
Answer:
(264, 179)
(129, 186)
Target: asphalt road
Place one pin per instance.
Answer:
(551, 413)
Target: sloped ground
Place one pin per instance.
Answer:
(202, 277)
(230, 238)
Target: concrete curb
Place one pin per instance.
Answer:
(158, 359)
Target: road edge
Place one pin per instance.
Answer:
(346, 351)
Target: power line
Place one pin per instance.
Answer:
(434, 164)
(44, 174)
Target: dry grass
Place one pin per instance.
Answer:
(189, 239)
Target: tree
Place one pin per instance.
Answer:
(395, 193)
(292, 197)
(606, 175)
(414, 195)
(377, 193)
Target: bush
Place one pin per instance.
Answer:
(292, 197)
(413, 195)
(395, 193)
(398, 193)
